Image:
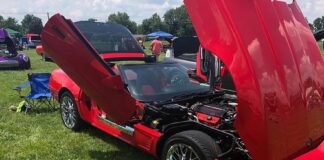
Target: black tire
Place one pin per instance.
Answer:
(75, 123)
(202, 144)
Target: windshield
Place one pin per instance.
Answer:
(109, 37)
(158, 82)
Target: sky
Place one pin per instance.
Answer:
(100, 9)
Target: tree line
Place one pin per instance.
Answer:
(175, 21)
(29, 24)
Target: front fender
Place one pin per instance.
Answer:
(59, 82)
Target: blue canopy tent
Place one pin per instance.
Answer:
(160, 34)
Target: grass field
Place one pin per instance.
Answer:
(321, 46)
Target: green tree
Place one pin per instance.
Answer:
(178, 22)
(2, 21)
(319, 23)
(32, 24)
(123, 19)
(152, 24)
(10, 23)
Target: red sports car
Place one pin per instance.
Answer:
(267, 47)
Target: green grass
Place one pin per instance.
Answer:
(43, 136)
(321, 46)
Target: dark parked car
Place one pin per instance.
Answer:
(201, 65)
(184, 51)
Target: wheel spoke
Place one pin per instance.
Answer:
(181, 152)
(68, 112)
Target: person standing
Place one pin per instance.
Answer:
(156, 47)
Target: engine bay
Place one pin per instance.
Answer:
(216, 110)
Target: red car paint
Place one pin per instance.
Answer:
(280, 95)
(122, 56)
(144, 138)
(277, 69)
(39, 50)
(96, 82)
(208, 119)
(30, 35)
(198, 66)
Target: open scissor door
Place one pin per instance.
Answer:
(70, 50)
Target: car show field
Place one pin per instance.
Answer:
(208, 80)
(19, 132)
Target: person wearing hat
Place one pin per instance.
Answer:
(156, 47)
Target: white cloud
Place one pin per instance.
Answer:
(100, 9)
(312, 8)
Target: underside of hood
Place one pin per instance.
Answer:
(277, 69)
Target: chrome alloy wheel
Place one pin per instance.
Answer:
(181, 152)
(68, 112)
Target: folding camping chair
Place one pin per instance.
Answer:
(39, 91)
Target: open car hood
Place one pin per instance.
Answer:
(277, 69)
(70, 50)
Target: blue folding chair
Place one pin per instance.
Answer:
(39, 91)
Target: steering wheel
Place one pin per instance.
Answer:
(178, 78)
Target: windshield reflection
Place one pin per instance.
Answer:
(158, 82)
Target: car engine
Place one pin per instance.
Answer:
(215, 111)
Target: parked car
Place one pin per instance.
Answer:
(9, 57)
(319, 35)
(201, 64)
(157, 108)
(33, 40)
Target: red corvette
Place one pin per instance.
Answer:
(267, 47)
